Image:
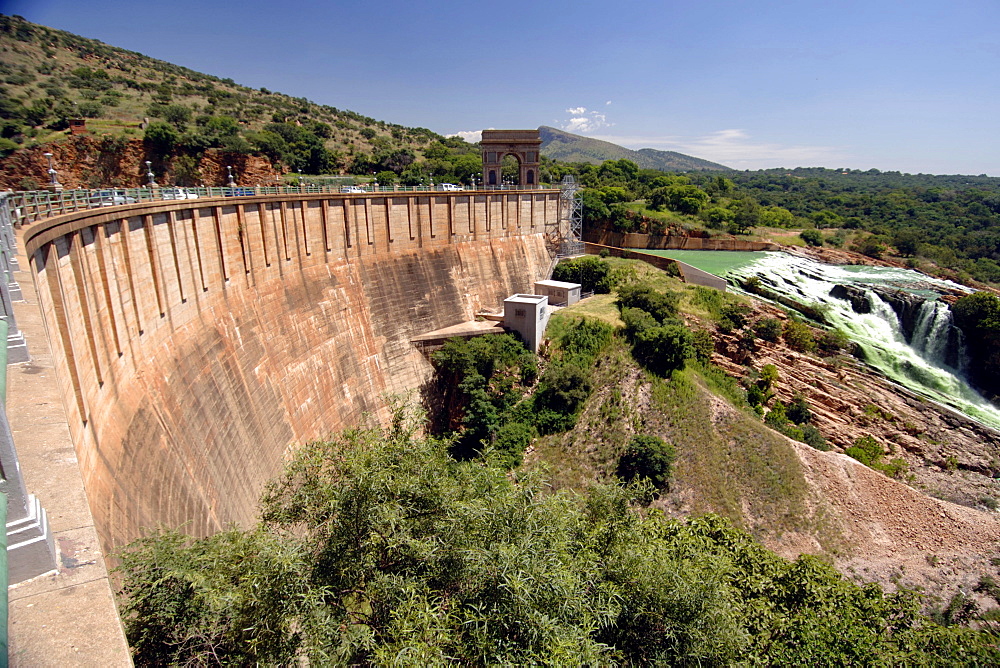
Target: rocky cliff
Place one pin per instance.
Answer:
(96, 162)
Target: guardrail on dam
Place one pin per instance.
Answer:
(196, 340)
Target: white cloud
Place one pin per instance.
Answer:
(584, 120)
(608, 102)
(736, 148)
(471, 136)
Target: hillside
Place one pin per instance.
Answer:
(560, 145)
(49, 76)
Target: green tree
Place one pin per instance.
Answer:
(376, 548)
(663, 349)
(648, 457)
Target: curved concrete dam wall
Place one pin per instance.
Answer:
(196, 341)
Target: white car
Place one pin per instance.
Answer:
(450, 186)
(353, 190)
(111, 198)
(177, 193)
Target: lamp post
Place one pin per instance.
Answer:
(54, 184)
(149, 174)
(300, 179)
(229, 170)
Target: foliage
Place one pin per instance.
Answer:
(832, 341)
(871, 246)
(478, 380)
(663, 349)
(702, 345)
(636, 321)
(868, 451)
(660, 305)
(768, 329)
(978, 316)
(953, 220)
(799, 336)
(811, 237)
(798, 410)
(376, 548)
(648, 457)
(811, 436)
(592, 273)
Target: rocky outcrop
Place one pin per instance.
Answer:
(95, 162)
(948, 455)
(857, 296)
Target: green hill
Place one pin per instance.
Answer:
(560, 145)
(49, 76)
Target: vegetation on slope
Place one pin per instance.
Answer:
(377, 548)
(49, 76)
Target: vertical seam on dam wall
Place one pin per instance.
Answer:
(182, 408)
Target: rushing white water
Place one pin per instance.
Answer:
(931, 363)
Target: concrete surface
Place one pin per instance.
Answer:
(66, 618)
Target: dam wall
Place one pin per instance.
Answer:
(196, 341)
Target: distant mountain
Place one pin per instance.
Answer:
(561, 145)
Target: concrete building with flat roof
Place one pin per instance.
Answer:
(559, 293)
(527, 315)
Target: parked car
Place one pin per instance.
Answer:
(111, 198)
(177, 193)
(450, 186)
(238, 192)
(352, 190)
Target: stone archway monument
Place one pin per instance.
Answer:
(524, 145)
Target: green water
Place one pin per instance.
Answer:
(714, 262)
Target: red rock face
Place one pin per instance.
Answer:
(196, 341)
(96, 162)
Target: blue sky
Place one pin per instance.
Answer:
(908, 85)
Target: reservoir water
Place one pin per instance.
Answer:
(923, 353)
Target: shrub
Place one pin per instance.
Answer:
(798, 410)
(865, 449)
(798, 336)
(648, 457)
(811, 436)
(511, 440)
(663, 349)
(563, 388)
(832, 341)
(768, 329)
(776, 418)
(736, 313)
(660, 305)
(811, 237)
(702, 345)
(589, 272)
(636, 321)
(768, 377)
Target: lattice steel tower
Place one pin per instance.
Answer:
(572, 243)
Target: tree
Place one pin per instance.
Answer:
(648, 457)
(161, 138)
(376, 548)
(661, 305)
(811, 237)
(663, 349)
(978, 316)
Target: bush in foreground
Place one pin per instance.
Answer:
(376, 548)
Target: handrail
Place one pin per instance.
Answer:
(34, 205)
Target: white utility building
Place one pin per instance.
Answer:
(559, 293)
(527, 315)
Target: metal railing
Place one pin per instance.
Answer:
(35, 205)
